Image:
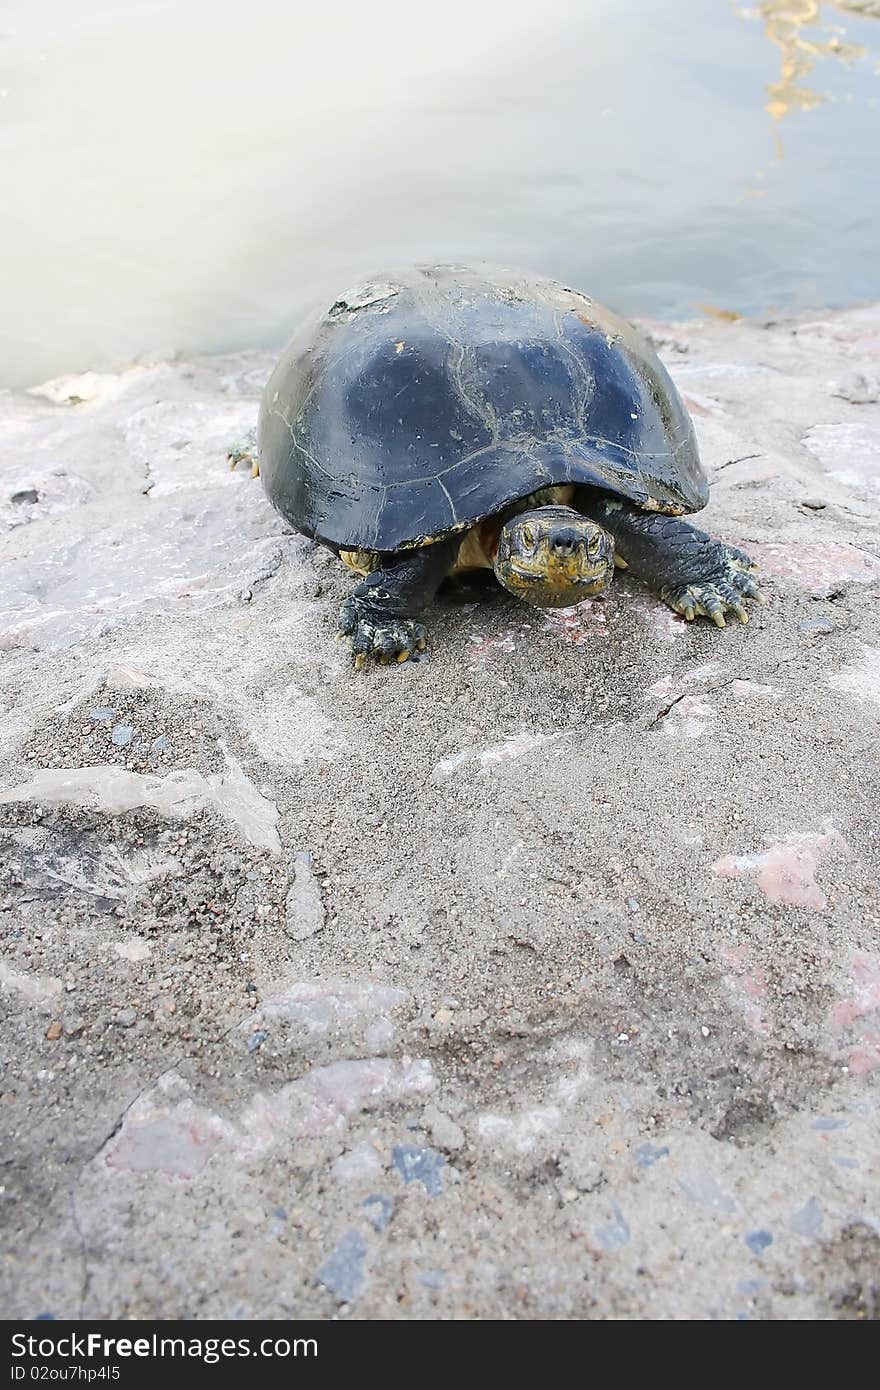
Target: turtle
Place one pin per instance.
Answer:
(444, 418)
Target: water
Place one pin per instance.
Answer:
(187, 175)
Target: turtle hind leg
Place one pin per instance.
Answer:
(694, 574)
(245, 451)
(381, 618)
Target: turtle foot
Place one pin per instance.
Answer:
(371, 634)
(719, 593)
(245, 451)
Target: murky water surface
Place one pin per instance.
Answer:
(188, 175)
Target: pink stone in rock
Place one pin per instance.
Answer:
(813, 566)
(747, 690)
(785, 873)
(690, 717)
(663, 624)
(865, 1056)
(849, 453)
(484, 649)
(702, 405)
(866, 992)
(178, 1142)
(864, 1048)
(325, 1097)
(858, 331)
(577, 625)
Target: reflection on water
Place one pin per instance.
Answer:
(784, 25)
(192, 174)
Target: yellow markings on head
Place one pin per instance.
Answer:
(398, 348)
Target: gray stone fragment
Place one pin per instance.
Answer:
(122, 735)
(420, 1165)
(807, 1221)
(343, 1270)
(615, 1233)
(304, 908)
(648, 1154)
(378, 1209)
(103, 714)
(702, 1188)
(758, 1241)
(860, 388)
(817, 627)
(125, 1018)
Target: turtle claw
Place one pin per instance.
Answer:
(245, 451)
(719, 594)
(388, 640)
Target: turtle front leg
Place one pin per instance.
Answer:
(693, 573)
(245, 451)
(381, 618)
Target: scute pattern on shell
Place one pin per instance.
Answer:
(422, 401)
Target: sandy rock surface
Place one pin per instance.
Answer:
(539, 977)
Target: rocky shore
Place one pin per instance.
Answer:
(536, 978)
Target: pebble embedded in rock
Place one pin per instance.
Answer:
(125, 1018)
(256, 1040)
(304, 908)
(613, 1234)
(122, 735)
(343, 1270)
(378, 1209)
(816, 627)
(808, 1220)
(859, 388)
(53, 1032)
(102, 714)
(646, 1155)
(420, 1165)
(758, 1241)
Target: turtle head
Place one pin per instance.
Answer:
(553, 557)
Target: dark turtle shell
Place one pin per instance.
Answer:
(426, 400)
